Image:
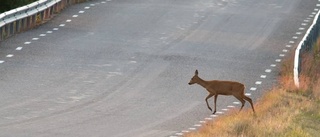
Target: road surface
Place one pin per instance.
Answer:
(121, 68)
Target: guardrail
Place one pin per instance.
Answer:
(31, 15)
(306, 44)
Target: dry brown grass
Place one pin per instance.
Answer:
(284, 111)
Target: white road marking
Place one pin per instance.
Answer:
(281, 55)
(278, 60)
(1, 61)
(273, 65)
(62, 25)
(295, 37)
(179, 134)
(208, 118)
(42, 35)
(9, 55)
(192, 128)
(81, 11)
(219, 112)
(311, 15)
(185, 131)
(231, 106)
(268, 70)
(86, 7)
(236, 102)
(202, 122)
(258, 82)
(49, 32)
(28, 42)
(248, 94)
(304, 24)
(225, 109)
(291, 42)
(103, 2)
(197, 125)
(253, 88)
(213, 115)
(19, 48)
(288, 46)
(55, 29)
(68, 20)
(74, 16)
(301, 28)
(92, 5)
(298, 33)
(35, 38)
(263, 76)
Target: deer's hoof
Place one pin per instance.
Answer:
(214, 112)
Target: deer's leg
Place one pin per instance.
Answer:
(209, 96)
(241, 100)
(250, 101)
(215, 103)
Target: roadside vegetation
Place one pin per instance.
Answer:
(6, 5)
(284, 111)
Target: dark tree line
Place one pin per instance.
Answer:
(6, 5)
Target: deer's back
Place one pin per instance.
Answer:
(226, 87)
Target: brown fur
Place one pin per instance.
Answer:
(216, 87)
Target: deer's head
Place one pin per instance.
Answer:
(194, 79)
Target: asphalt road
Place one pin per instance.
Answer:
(120, 68)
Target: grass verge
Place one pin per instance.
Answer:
(284, 111)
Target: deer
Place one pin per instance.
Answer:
(217, 87)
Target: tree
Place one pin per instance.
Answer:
(6, 5)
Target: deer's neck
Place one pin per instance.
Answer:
(202, 83)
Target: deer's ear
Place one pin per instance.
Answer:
(196, 73)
